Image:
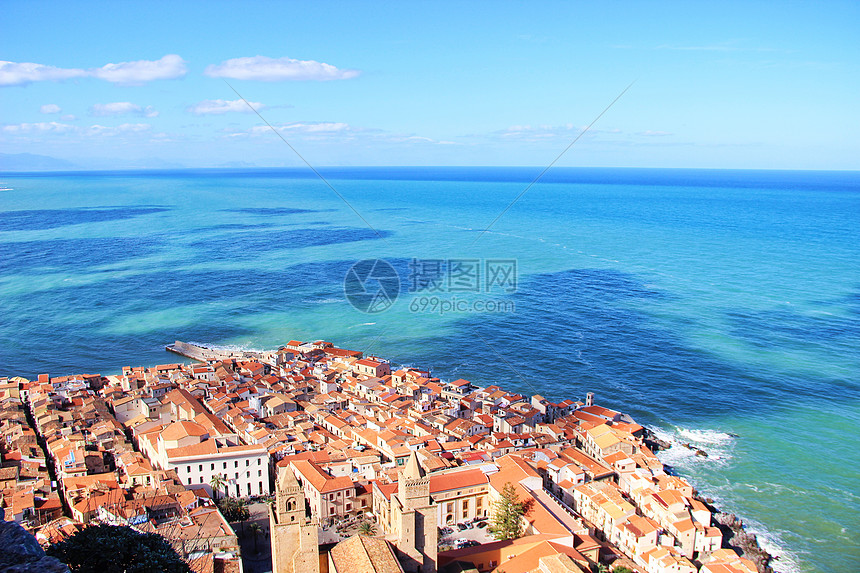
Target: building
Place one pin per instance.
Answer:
(294, 532)
(327, 496)
(414, 519)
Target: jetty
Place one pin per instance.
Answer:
(206, 354)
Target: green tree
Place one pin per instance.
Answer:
(234, 509)
(367, 528)
(217, 482)
(255, 529)
(508, 512)
(107, 548)
(622, 569)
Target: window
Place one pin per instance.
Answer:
(259, 461)
(236, 464)
(331, 511)
(213, 467)
(237, 477)
(247, 463)
(188, 468)
(201, 479)
(259, 473)
(261, 488)
(225, 465)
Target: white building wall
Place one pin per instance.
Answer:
(245, 475)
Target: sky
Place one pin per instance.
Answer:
(745, 85)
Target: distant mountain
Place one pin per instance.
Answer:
(31, 162)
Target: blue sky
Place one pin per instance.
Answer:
(717, 84)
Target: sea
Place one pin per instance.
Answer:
(720, 308)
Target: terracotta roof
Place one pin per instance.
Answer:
(360, 554)
(458, 479)
(319, 479)
(182, 429)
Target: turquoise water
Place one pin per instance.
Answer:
(708, 304)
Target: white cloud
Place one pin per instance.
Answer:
(321, 127)
(537, 133)
(334, 132)
(18, 74)
(50, 108)
(219, 106)
(118, 130)
(122, 108)
(169, 67)
(68, 117)
(40, 127)
(277, 69)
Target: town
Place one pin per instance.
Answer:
(362, 467)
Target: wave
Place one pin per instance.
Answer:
(229, 347)
(771, 541)
(322, 300)
(716, 444)
(715, 437)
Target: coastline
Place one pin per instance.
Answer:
(734, 530)
(735, 534)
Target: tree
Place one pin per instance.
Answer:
(234, 509)
(255, 529)
(104, 548)
(508, 512)
(217, 482)
(622, 569)
(367, 528)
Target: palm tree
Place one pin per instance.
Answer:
(255, 529)
(367, 528)
(217, 482)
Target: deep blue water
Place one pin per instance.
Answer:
(706, 303)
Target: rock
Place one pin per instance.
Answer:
(702, 453)
(22, 553)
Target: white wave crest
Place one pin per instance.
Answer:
(704, 436)
(685, 443)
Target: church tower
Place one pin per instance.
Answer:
(294, 534)
(417, 534)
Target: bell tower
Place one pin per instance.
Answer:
(294, 534)
(290, 499)
(417, 538)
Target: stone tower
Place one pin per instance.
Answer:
(417, 534)
(294, 535)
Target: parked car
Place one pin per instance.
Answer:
(462, 526)
(482, 524)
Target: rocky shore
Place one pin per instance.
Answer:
(734, 531)
(654, 443)
(737, 537)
